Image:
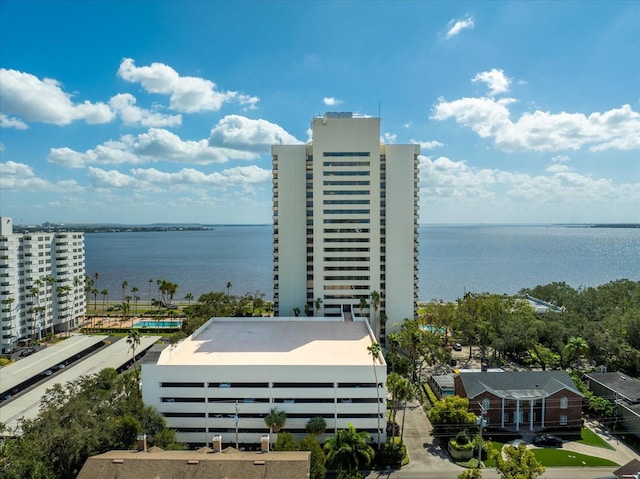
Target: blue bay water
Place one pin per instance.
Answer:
(453, 259)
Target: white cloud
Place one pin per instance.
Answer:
(245, 134)
(35, 100)
(618, 128)
(10, 122)
(21, 177)
(389, 138)
(444, 181)
(331, 101)
(155, 145)
(495, 79)
(109, 179)
(187, 94)
(458, 25)
(427, 145)
(153, 179)
(124, 105)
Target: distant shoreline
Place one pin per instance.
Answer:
(117, 228)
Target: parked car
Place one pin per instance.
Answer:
(546, 440)
(517, 443)
(48, 372)
(457, 347)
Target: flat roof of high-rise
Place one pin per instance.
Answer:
(274, 341)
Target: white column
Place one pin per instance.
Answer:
(531, 414)
(543, 410)
(517, 414)
(502, 413)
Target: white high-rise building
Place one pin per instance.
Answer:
(345, 215)
(41, 283)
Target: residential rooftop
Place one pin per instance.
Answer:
(274, 341)
(624, 386)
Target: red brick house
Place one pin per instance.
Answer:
(525, 401)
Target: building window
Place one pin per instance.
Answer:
(564, 403)
(563, 420)
(486, 403)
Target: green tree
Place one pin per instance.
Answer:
(105, 295)
(189, 298)
(470, 474)
(318, 468)
(133, 339)
(576, 347)
(349, 450)
(275, 420)
(401, 391)
(135, 298)
(316, 426)
(84, 417)
(362, 305)
(124, 287)
(286, 442)
(450, 415)
(229, 287)
(318, 304)
(516, 463)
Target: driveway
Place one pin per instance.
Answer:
(430, 461)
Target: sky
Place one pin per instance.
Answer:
(138, 112)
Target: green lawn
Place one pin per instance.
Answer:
(559, 457)
(550, 457)
(590, 438)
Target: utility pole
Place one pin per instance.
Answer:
(481, 421)
(237, 425)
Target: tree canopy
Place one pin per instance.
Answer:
(89, 416)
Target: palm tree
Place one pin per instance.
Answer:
(307, 309)
(76, 284)
(105, 295)
(228, 287)
(375, 302)
(318, 304)
(189, 298)
(348, 450)
(124, 307)
(133, 339)
(362, 305)
(124, 286)
(49, 280)
(401, 391)
(275, 420)
(375, 351)
(575, 348)
(296, 311)
(150, 284)
(316, 426)
(35, 293)
(135, 290)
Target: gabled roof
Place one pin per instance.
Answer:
(156, 463)
(624, 386)
(517, 385)
(630, 468)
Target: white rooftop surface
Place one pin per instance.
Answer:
(27, 405)
(274, 341)
(25, 368)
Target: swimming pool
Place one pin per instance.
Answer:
(157, 324)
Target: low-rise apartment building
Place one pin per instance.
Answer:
(226, 377)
